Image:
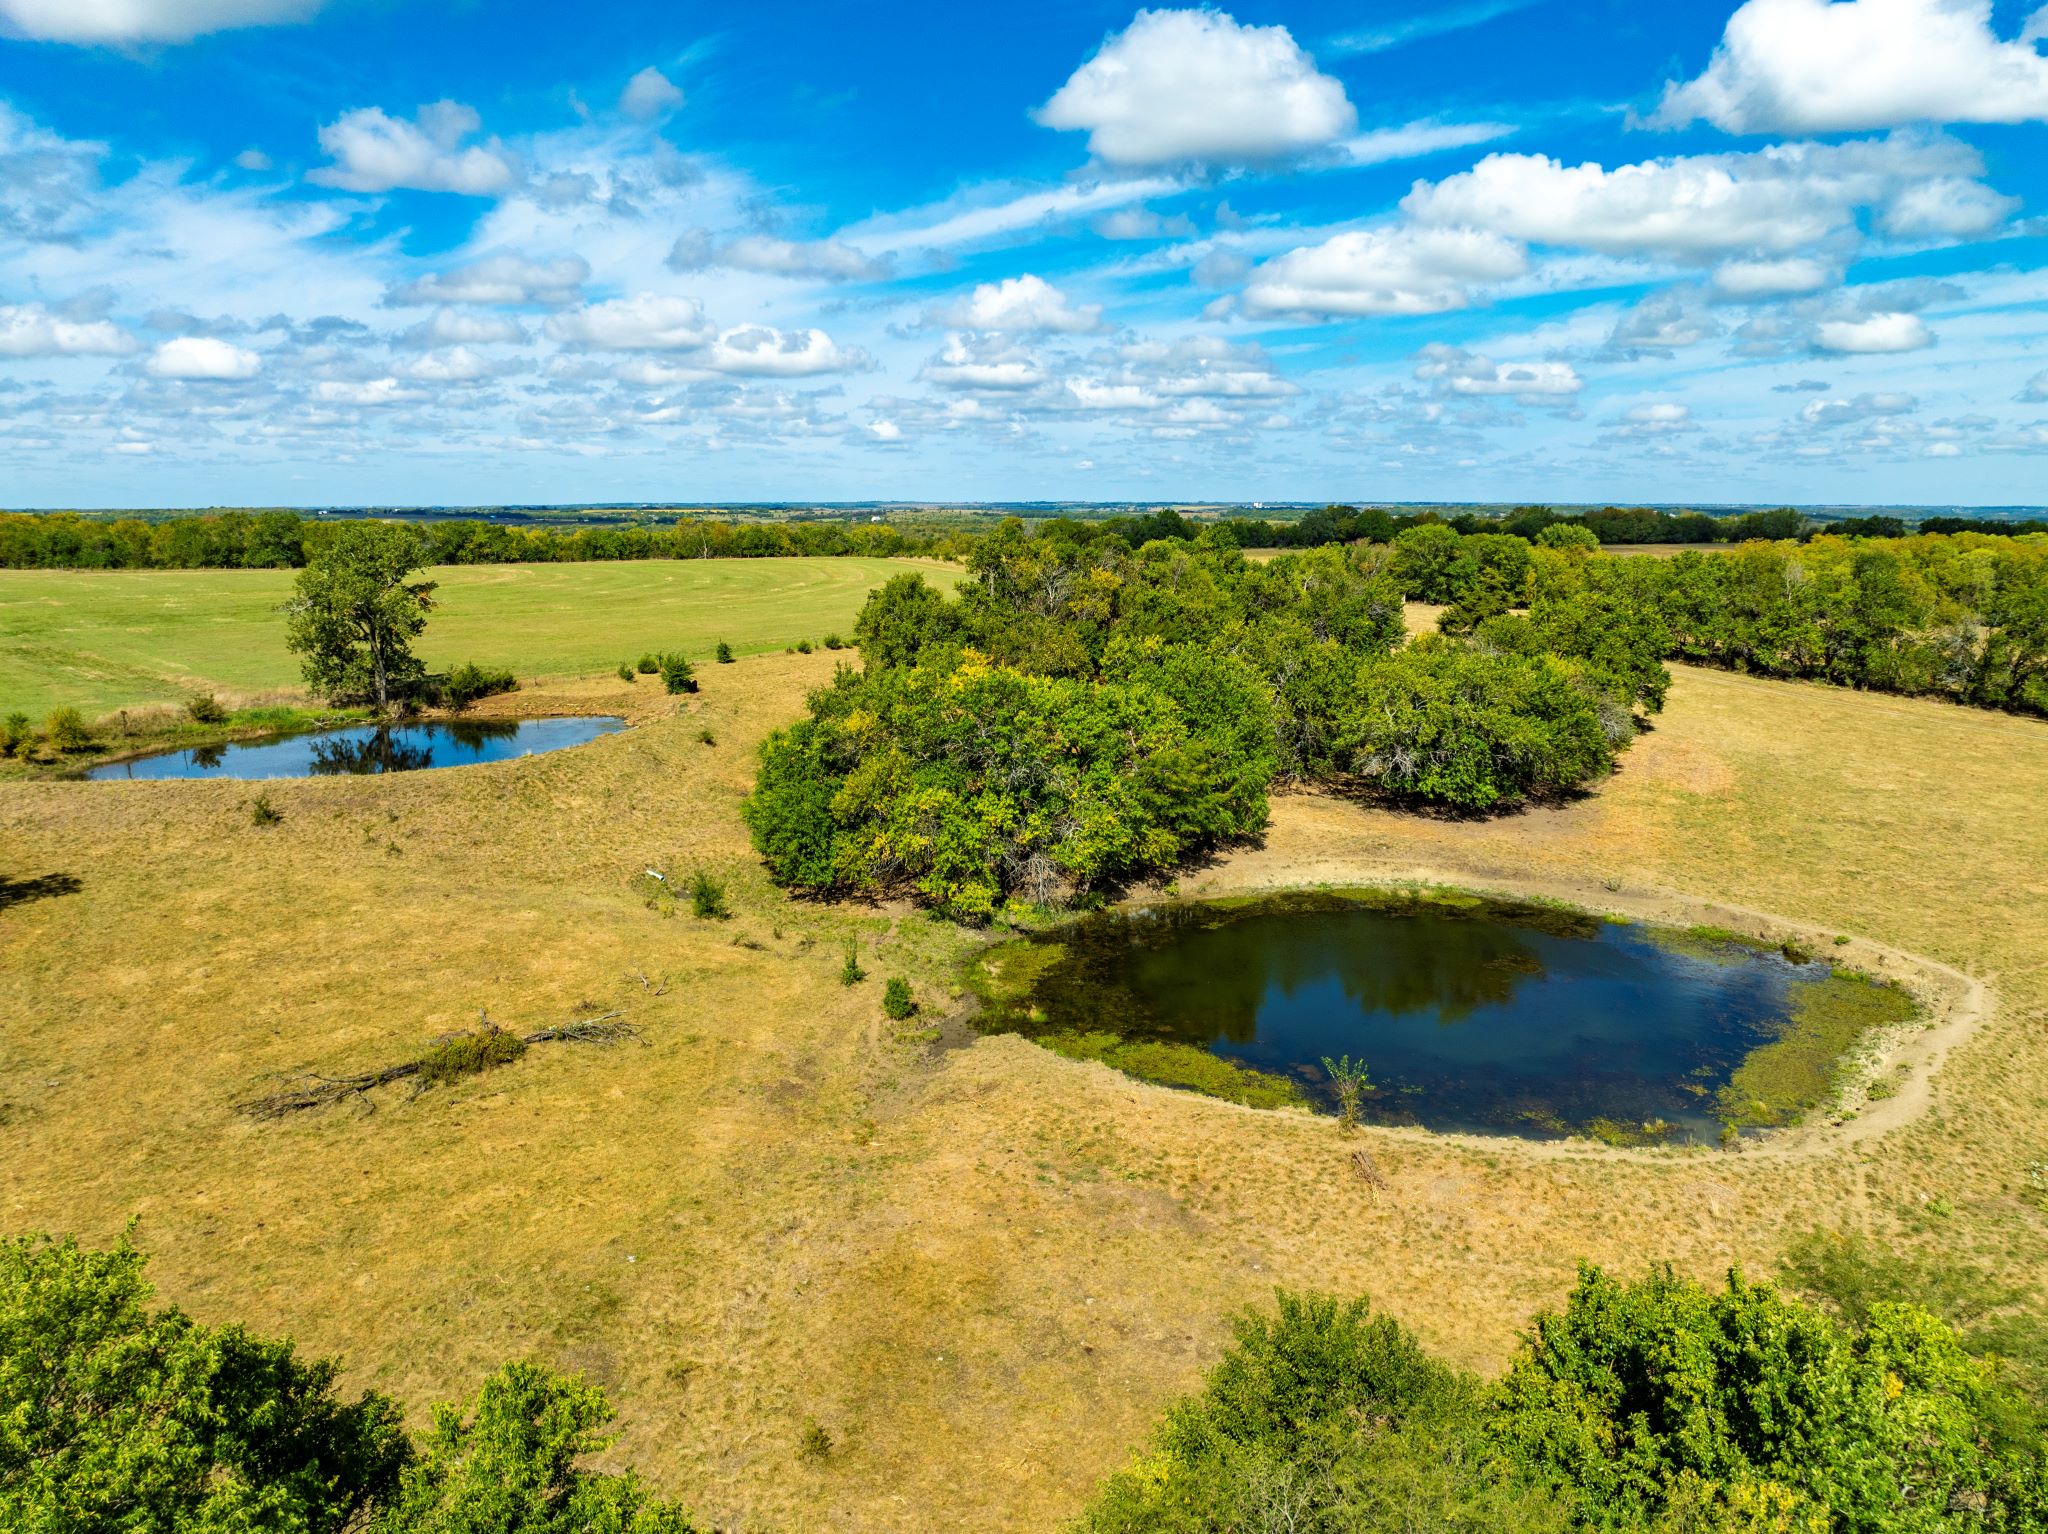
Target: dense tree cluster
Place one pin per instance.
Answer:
(1081, 712)
(1656, 1407)
(114, 1415)
(279, 540)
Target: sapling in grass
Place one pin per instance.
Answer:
(205, 708)
(263, 813)
(677, 675)
(626, 672)
(649, 664)
(707, 897)
(724, 653)
(1351, 1082)
(897, 1000)
(850, 972)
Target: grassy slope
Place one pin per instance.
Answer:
(983, 1270)
(106, 639)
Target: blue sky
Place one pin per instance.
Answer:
(466, 251)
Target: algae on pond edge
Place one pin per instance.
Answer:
(1179, 1065)
(1779, 1082)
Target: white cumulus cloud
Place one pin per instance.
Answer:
(204, 357)
(1884, 332)
(1770, 279)
(30, 330)
(652, 322)
(650, 94)
(1383, 271)
(143, 21)
(1197, 86)
(1810, 66)
(501, 279)
(1458, 371)
(1025, 303)
(983, 362)
(375, 152)
(763, 351)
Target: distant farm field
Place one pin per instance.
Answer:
(99, 640)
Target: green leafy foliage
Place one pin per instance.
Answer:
(626, 671)
(1474, 730)
(1656, 1407)
(469, 681)
(897, 1000)
(723, 653)
(707, 897)
(205, 708)
(66, 730)
(354, 613)
(508, 1465)
(114, 1415)
(677, 674)
(469, 1054)
(850, 972)
(648, 665)
(17, 735)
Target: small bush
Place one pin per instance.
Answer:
(897, 1000)
(803, 647)
(17, 735)
(707, 897)
(677, 675)
(649, 664)
(467, 1054)
(626, 672)
(263, 812)
(65, 730)
(834, 642)
(814, 1443)
(850, 973)
(724, 653)
(469, 681)
(707, 737)
(205, 708)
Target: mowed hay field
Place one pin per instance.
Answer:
(99, 640)
(982, 1269)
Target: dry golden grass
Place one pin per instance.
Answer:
(983, 1269)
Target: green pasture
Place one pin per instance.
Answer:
(99, 640)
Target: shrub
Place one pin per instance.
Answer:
(707, 736)
(120, 1416)
(834, 642)
(1447, 724)
(648, 665)
(469, 681)
(510, 1463)
(724, 653)
(470, 1054)
(65, 729)
(1567, 536)
(813, 1443)
(677, 675)
(626, 671)
(803, 647)
(17, 735)
(850, 972)
(205, 708)
(897, 1000)
(263, 813)
(707, 897)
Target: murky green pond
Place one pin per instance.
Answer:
(1468, 1014)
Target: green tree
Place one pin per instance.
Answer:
(509, 1466)
(898, 621)
(355, 612)
(115, 1416)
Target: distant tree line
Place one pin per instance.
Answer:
(264, 540)
(284, 540)
(1081, 713)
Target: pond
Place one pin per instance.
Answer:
(369, 748)
(1469, 1015)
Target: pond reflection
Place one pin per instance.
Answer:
(368, 749)
(1469, 1014)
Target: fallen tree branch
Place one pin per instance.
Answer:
(468, 1053)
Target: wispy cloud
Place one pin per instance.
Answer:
(1413, 29)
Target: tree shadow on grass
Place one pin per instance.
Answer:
(14, 892)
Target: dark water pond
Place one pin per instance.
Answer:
(369, 748)
(1470, 1015)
